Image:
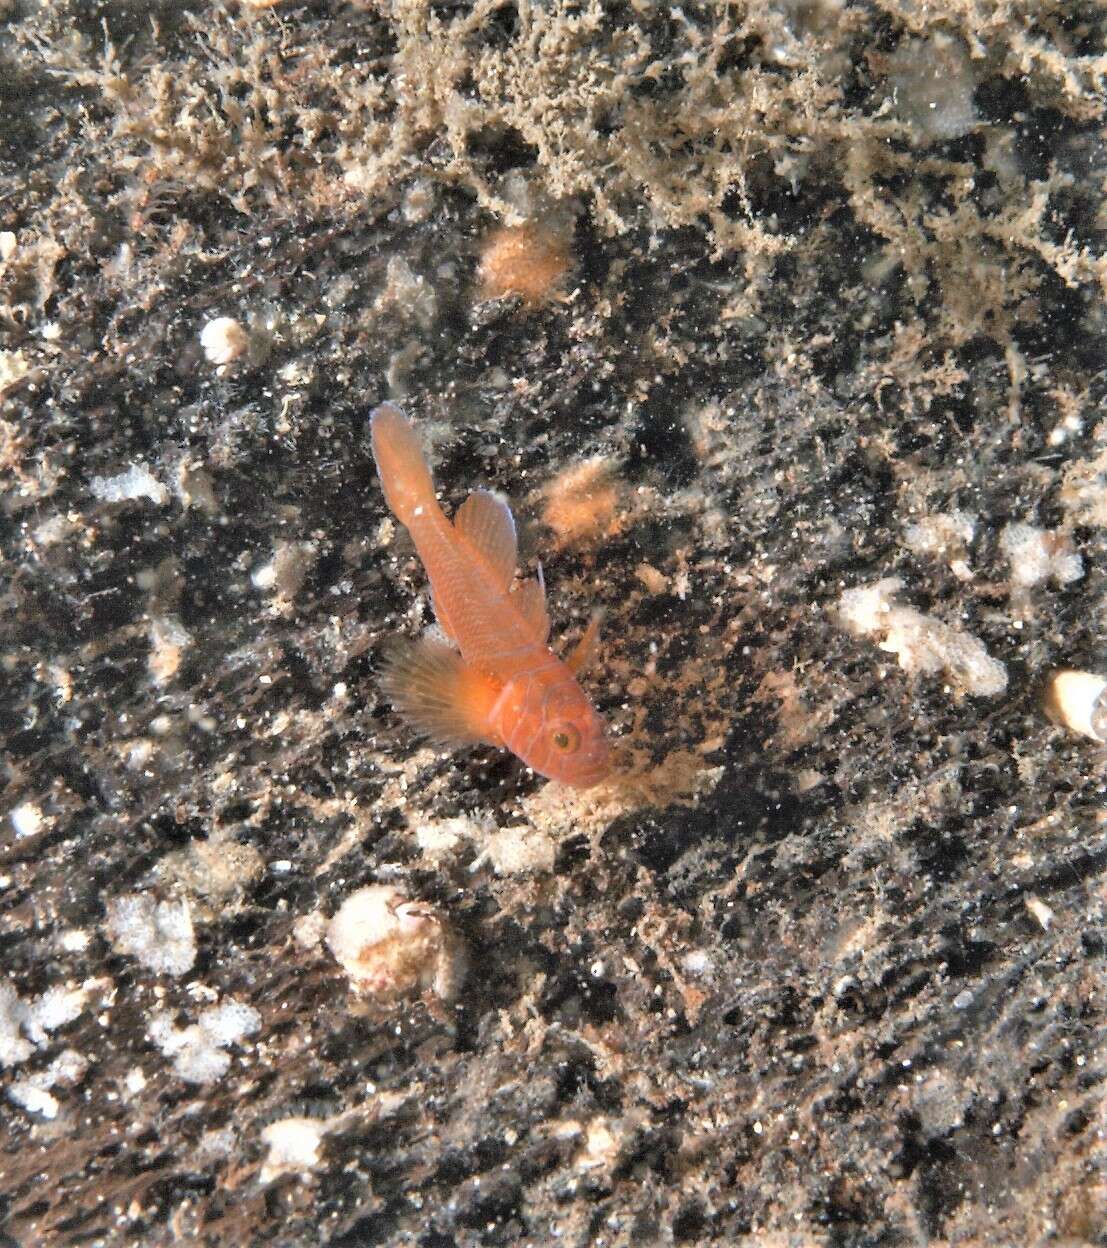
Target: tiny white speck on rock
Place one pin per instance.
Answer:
(27, 820)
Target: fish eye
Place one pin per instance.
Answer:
(565, 738)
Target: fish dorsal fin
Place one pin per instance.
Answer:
(529, 600)
(485, 522)
(585, 650)
(431, 686)
(442, 618)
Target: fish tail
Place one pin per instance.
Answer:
(401, 464)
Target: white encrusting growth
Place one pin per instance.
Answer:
(25, 1026)
(33, 1093)
(517, 851)
(136, 482)
(1038, 555)
(922, 644)
(293, 1146)
(946, 536)
(199, 1051)
(25, 1029)
(158, 933)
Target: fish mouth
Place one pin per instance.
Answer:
(590, 780)
(595, 768)
(579, 775)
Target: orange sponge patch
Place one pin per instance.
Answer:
(527, 260)
(581, 503)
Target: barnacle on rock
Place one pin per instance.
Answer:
(391, 947)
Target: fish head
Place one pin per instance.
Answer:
(552, 727)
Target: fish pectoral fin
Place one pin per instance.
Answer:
(585, 649)
(529, 599)
(485, 521)
(442, 698)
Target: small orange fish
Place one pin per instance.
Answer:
(505, 687)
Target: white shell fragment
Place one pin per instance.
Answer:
(1078, 701)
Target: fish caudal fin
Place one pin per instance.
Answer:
(401, 465)
(430, 685)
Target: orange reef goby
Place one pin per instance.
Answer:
(502, 684)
